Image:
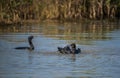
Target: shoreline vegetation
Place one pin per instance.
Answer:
(27, 11)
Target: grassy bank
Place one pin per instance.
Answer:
(17, 11)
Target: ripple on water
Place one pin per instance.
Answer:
(99, 57)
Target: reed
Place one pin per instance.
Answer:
(13, 11)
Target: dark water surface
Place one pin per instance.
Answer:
(99, 42)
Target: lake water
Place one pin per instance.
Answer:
(99, 42)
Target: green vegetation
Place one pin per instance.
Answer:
(14, 11)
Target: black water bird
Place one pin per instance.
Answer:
(31, 47)
(69, 49)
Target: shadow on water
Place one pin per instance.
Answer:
(99, 42)
(85, 32)
(67, 31)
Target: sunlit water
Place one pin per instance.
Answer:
(99, 42)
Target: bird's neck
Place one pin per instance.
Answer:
(31, 44)
(73, 50)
